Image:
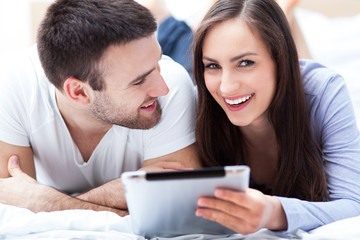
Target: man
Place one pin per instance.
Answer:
(88, 104)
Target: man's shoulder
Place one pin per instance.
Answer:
(24, 83)
(170, 68)
(174, 74)
(25, 69)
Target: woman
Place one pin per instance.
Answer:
(291, 121)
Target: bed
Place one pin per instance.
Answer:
(329, 42)
(18, 223)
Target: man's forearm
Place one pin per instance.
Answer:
(21, 190)
(110, 194)
(54, 200)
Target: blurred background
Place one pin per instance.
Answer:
(19, 19)
(330, 30)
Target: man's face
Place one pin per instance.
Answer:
(132, 84)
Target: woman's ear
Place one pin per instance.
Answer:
(77, 90)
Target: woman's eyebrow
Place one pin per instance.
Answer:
(208, 59)
(233, 59)
(242, 55)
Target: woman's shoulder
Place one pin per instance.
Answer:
(317, 77)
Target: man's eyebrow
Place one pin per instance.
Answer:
(144, 75)
(233, 59)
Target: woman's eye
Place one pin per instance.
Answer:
(212, 66)
(246, 63)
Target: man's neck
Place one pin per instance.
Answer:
(85, 130)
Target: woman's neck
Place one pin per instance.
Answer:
(261, 151)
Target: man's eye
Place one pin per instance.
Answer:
(246, 63)
(141, 81)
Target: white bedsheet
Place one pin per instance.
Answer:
(348, 229)
(19, 223)
(335, 43)
(82, 224)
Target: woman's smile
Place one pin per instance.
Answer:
(238, 103)
(235, 101)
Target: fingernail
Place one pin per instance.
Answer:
(201, 202)
(219, 192)
(199, 213)
(14, 160)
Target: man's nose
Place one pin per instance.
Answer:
(160, 88)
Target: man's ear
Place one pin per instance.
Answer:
(77, 90)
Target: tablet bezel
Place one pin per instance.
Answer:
(154, 199)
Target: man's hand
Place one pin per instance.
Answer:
(23, 191)
(112, 194)
(163, 166)
(19, 188)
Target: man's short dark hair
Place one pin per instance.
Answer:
(75, 33)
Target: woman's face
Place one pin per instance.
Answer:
(239, 72)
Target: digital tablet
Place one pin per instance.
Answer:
(164, 204)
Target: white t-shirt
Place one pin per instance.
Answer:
(30, 117)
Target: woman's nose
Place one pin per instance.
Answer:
(229, 83)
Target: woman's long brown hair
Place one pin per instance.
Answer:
(300, 172)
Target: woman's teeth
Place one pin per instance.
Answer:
(239, 100)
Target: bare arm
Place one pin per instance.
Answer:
(112, 194)
(24, 153)
(18, 186)
(243, 212)
(188, 157)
